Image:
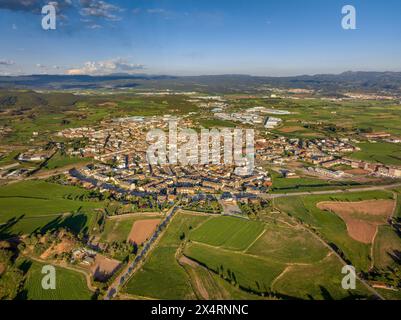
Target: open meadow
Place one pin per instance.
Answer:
(70, 285)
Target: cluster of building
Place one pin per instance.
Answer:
(324, 153)
(316, 151)
(254, 116)
(168, 182)
(117, 140)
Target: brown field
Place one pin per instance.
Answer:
(291, 129)
(357, 172)
(142, 230)
(103, 268)
(362, 218)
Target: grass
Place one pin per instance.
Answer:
(161, 276)
(249, 273)
(387, 242)
(228, 232)
(119, 229)
(382, 152)
(288, 185)
(397, 213)
(70, 285)
(321, 281)
(29, 205)
(389, 294)
(8, 159)
(216, 123)
(59, 161)
(216, 287)
(288, 245)
(330, 226)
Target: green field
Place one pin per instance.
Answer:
(287, 185)
(288, 245)
(397, 213)
(215, 287)
(331, 226)
(70, 285)
(161, 276)
(320, 281)
(382, 152)
(59, 161)
(228, 232)
(29, 205)
(8, 159)
(266, 266)
(216, 123)
(386, 246)
(119, 229)
(251, 273)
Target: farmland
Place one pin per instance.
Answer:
(30, 205)
(386, 246)
(321, 281)
(245, 259)
(250, 273)
(287, 185)
(119, 227)
(70, 285)
(386, 153)
(228, 232)
(288, 245)
(329, 225)
(152, 280)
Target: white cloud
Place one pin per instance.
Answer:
(117, 65)
(99, 9)
(6, 62)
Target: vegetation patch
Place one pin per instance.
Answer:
(228, 232)
(362, 218)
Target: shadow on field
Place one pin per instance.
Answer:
(6, 228)
(76, 223)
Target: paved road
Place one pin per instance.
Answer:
(373, 188)
(126, 273)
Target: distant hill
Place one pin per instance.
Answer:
(29, 99)
(387, 82)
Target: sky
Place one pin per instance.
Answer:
(199, 37)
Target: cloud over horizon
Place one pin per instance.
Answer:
(106, 67)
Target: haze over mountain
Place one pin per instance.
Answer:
(389, 82)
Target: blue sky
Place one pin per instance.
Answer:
(191, 37)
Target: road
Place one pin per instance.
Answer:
(127, 272)
(361, 189)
